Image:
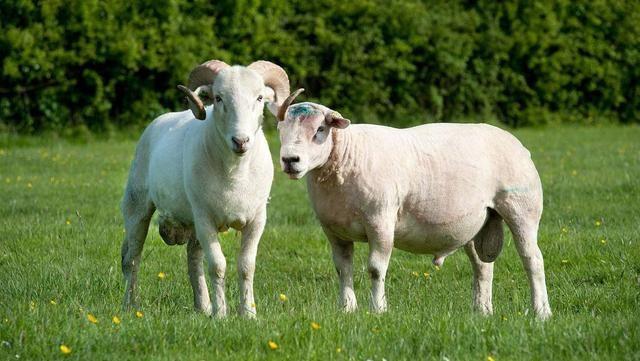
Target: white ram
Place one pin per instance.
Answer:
(204, 171)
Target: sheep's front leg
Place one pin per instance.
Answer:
(247, 263)
(208, 237)
(201, 300)
(343, 260)
(380, 237)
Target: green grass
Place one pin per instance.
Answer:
(61, 230)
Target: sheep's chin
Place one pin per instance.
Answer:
(296, 176)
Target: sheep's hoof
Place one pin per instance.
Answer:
(248, 311)
(378, 309)
(250, 315)
(348, 308)
(206, 310)
(543, 315)
(220, 313)
(129, 303)
(348, 304)
(484, 310)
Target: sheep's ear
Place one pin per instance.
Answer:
(270, 99)
(334, 119)
(204, 93)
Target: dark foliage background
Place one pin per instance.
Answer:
(105, 64)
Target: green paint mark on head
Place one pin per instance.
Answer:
(300, 110)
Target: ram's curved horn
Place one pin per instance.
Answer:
(205, 73)
(274, 77)
(195, 104)
(287, 102)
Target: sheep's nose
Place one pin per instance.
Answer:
(290, 160)
(240, 144)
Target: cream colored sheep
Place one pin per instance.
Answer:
(430, 189)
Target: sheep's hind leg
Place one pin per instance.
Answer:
(482, 281)
(217, 265)
(247, 263)
(523, 215)
(137, 211)
(343, 260)
(201, 300)
(526, 240)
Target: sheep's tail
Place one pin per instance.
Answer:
(488, 242)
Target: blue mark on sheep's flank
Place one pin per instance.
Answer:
(302, 111)
(516, 189)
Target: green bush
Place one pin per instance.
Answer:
(100, 64)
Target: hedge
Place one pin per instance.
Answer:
(105, 64)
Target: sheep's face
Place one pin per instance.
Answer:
(238, 96)
(305, 137)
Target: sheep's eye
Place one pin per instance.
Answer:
(259, 98)
(218, 99)
(204, 96)
(320, 129)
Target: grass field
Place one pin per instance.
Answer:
(61, 230)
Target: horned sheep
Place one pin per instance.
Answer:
(204, 171)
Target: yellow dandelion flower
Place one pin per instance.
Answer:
(29, 185)
(598, 223)
(490, 358)
(603, 241)
(68, 222)
(437, 268)
(116, 320)
(504, 318)
(574, 172)
(315, 326)
(272, 345)
(426, 275)
(32, 305)
(161, 275)
(53, 302)
(283, 297)
(65, 349)
(415, 274)
(338, 350)
(564, 230)
(92, 318)
(565, 261)
(139, 314)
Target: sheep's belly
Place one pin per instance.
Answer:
(417, 236)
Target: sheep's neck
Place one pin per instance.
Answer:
(332, 170)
